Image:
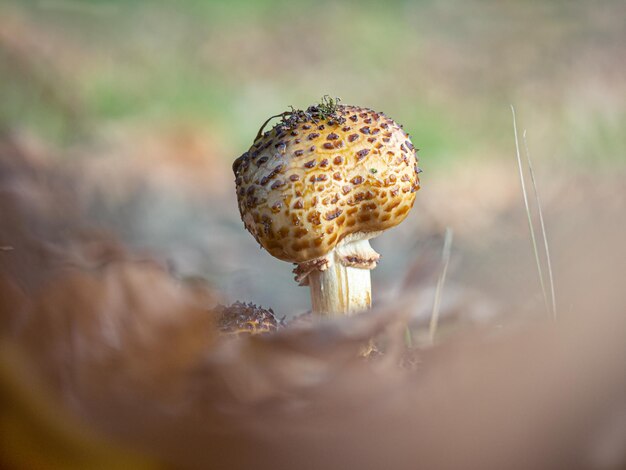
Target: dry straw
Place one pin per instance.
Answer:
(445, 258)
(550, 305)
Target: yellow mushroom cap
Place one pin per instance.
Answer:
(308, 183)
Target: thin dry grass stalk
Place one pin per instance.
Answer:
(445, 258)
(543, 227)
(528, 213)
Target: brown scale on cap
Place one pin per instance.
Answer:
(300, 197)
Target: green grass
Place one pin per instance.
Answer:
(229, 65)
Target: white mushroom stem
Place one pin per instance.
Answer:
(340, 284)
(340, 290)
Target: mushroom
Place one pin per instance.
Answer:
(318, 186)
(240, 318)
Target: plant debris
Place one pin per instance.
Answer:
(246, 318)
(326, 110)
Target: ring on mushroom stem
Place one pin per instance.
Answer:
(318, 186)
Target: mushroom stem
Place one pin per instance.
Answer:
(344, 286)
(340, 290)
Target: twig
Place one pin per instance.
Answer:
(445, 258)
(530, 221)
(543, 227)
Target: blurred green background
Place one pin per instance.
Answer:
(152, 100)
(448, 70)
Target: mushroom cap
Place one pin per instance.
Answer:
(240, 318)
(308, 183)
